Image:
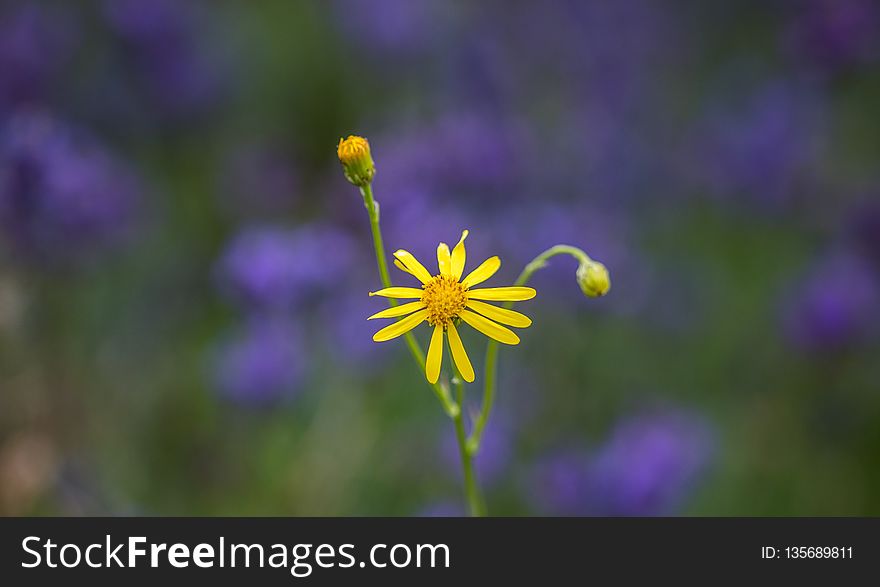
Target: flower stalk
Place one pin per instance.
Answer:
(598, 285)
(476, 503)
(440, 389)
(453, 409)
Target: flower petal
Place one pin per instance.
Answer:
(459, 355)
(458, 256)
(486, 270)
(489, 328)
(444, 260)
(435, 355)
(502, 315)
(401, 326)
(398, 292)
(396, 311)
(413, 266)
(502, 294)
(402, 267)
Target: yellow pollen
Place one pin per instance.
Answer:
(352, 149)
(444, 298)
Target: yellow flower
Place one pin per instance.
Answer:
(445, 300)
(357, 162)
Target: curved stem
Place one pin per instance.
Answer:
(489, 368)
(491, 365)
(440, 390)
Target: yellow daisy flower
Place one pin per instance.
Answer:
(445, 300)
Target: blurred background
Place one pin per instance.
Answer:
(184, 270)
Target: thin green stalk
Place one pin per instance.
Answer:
(491, 365)
(472, 493)
(440, 390)
(476, 504)
(489, 368)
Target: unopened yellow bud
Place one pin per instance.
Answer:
(357, 162)
(593, 278)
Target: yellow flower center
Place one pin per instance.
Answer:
(444, 298)
(352, 149)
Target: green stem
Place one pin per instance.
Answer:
(476, 504)
(453, 409)
(491, 365)
(440, 390)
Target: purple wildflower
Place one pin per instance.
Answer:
(166, 55)
(391, 27)
(835, 306)
(35, 42)
(834, 34)
(649, 464)
(765, 147)
(476, 157)
(269, 267)
(262, 364)
(61, 193)
(350, 334)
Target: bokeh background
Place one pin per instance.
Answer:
(184, 270)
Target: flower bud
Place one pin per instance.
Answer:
(357, 163)
(593, 278)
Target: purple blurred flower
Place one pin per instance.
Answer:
(163, 44)
(396, 28)
(475, 151)
(649, 464)
(473, 157)
(483, 71)
(620, 47)
(558, 484)
(834, 34)
(161, 23)
(35, 42)
(836, 305)
(61, 193)
(647, 467)
(349, 333)
(765, 146)
(609, 48)
(270, 267)
(263, 363)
